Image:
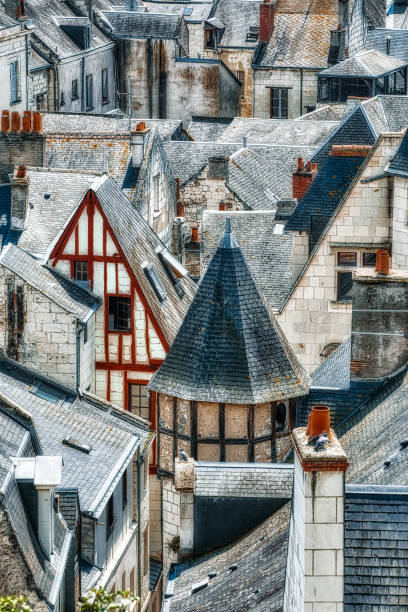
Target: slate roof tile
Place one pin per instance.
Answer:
(335, 369)
(377, 39)
(399, 164)
(125, 24)
(366, 63)
(237, 17)
(229, 347)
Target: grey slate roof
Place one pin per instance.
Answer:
(229, 348)
(64, 292)
(365, 64)
(278, 131)
(376, 549)
(377, 39)
(7, 22)
(113, 433)
(66, 190)
(260, 176)
(44, 12)
(301, 35)
(258, 582)
(399, 165)
(123, 24)
(138, 243)
(207, 129)
(243, 480)
(268, 252)
(237, 17)
(373, 434)
(11, 441)
(334, 372)
(330, 112)
(188, 158)
(200, 10)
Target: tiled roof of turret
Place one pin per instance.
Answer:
(229, 347)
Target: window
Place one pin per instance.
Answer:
(81, 271)
(211, 38)
(369, 260)
(85, 333)
(155, 282)
(110, 517)
(344, 286)
(279, 103)
(74, 90)
(124, 581)
(124, 489)
(156, 193)
(132, 581)
(41, 102)
(48, 392)
(14, 82)
(89, 92)
(62, 100)
(105, 86)
(119, 314)
(187, 11)
(241, 77)
(347, 259)
(138, 400)
(280, 417)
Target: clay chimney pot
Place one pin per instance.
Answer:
(21, 172)
(141, 126)
(27, 121)
(300, 165)
(37, 122)
(222, 206)
(194, 234)
(319, 422)
(15, 121)
(382, 262)
(5, 121)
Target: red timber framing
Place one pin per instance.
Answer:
(90, 203)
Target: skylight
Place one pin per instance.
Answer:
(154, 280)
(49, 393)
(172, 261)
(188, 11)
(77, 445)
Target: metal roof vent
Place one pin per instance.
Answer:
(77, 445)
(233, 567)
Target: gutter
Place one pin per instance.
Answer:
(80, 327)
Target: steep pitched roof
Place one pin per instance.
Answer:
(229, 347)
(237, 17)
(264, 243)
(376, 551)
(64, 292)
(325, 193)
(57, 414)
(258, 582)
(139, 243)
(334, 372)
(193, 11)
(135, 24)
(278, 131)
(207, 129)
(399, 165)
(366, 63)
(301, 35)
(377, 39)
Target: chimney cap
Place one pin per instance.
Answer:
(48, 471)
(331, 459)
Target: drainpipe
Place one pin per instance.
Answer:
(78, 357)
(27, 70)
(301, 92)
(83, 84)
(253, 91)
(139, 529)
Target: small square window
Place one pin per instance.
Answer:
(344, 286)
(119, 314)
(81, 271)
(155, 282)
(369, 260)
(347, 259)
(139, 401)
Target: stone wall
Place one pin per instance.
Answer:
(18, 148)
(171, 524)
(238, 61)
(400, 224)
(39, 90)
(313, 317)
(298, 101)
(13, 48)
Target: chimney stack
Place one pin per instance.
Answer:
(379, 324)
(266, 21)
(314, 571)
(184, 482)
(180, 204)
(303, 178)
(138, 140)
(19, 198)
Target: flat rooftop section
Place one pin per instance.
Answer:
(258, 480)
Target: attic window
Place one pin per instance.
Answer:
(155, 282)
(187, 11)
(80, 446)
(252, 35)
(48, 392)
(173, 268)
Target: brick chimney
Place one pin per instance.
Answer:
(14, 8)
(349, 150)
(303, 178)
(314, 571)
(266, 21)
(19, 198)
(379, 326)
(184, 482)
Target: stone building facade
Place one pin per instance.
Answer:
(14, 53)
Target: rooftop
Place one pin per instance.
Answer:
(399, 164)
(237, 17)
(229, 347)
(207, 129)
(64, 292)
(398, 42)
(137, 24)
(365, 64)
(334, 372)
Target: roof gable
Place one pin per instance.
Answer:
(229, 347)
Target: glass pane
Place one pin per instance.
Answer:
(344, 286)
(346, 259)
(369, 259)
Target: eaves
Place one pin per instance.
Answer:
(364, 76)
(353, 183)
(86, 52)
(275, 67)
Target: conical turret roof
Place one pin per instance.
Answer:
(229, 347)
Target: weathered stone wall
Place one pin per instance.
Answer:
(313, 317)
(171, 524)
(18, 148)
(13, 48)
(238, 61)
(39, 87)
(284, 77)
(400, 224)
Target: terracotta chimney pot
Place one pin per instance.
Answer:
(37, 122)
(21, 172)
(300, 164)
(319, 422)
(180, 209)
(194, 234)
(27, 121)
(141, 126)
(222, 206)
(15, 121)
(5, 121)
(382, 262)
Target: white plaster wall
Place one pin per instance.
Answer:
(171, 522)
(12, 48)
(87, 358)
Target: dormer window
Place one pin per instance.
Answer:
(154, 281)
(156, 194)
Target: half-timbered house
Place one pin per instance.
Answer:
(107, 246)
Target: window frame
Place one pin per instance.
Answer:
(139, 408)
(89, 92)
(283, 113)
(74, 90)
(77, 263)
(129, 303)
(110, 517)
(363, 255)
(347, 264)
(339, 297)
